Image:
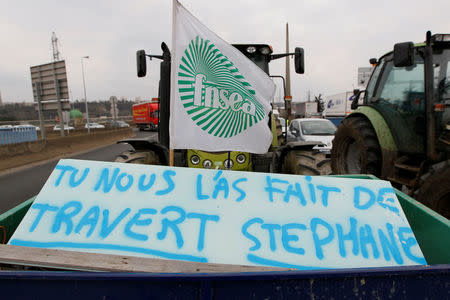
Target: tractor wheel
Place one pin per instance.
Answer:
(306, 162)
(141, 157)
(434, 189)
(355, 148)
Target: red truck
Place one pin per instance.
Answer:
(146, 115)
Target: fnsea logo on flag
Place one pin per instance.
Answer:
(214, 92)
(219, 99)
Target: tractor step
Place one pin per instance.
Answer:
(407, 172)
(409, 168)
(402, 181)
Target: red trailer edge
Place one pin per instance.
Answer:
(146, 115)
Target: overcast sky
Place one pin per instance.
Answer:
(338, 37)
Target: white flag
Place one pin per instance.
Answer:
(220, 99)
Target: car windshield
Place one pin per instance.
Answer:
(317, 127)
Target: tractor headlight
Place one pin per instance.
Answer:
(241, 158)
(265, 50)
(207, 164)
(228, 163)
(195, 160)
(251, 49)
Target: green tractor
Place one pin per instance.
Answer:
(401, 132)
(293, 157)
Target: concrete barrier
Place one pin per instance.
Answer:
(14, 155)
(10, 150)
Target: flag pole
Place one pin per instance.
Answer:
(172, 81)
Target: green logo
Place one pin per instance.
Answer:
(215, 95)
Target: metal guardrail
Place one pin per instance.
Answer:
(52, 122)
(16, 135)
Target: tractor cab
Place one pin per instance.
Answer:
(398, 89)
(401, 132)
(292, 157)
(261, 55)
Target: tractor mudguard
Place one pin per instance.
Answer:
(149, 144)
(385, 138)
(384, 134)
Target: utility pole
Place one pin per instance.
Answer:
(288, 73)
(55, 48)
(85, 98)
(288, 96)
(56, 58)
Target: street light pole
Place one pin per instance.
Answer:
(85, 99)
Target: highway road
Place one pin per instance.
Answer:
(18, 186)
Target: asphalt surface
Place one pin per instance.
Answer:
(18, 186)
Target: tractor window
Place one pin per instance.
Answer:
(373, 80)
(260, 61)
(441, 62)
(403, 88)
(400, 98)
(442, 75)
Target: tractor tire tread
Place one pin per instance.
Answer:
(138, 157)
(360, 131)
(306, 162)
(434, 188)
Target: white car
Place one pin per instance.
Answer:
(25, 126)
(94, 125)
(313, 130)
(58, 128)
(119, 124)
